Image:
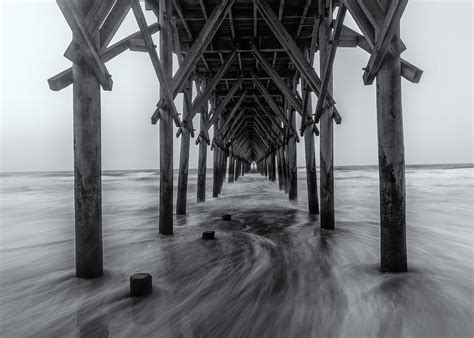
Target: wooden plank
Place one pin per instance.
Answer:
(327, 75)
(200, 44)
(82, 36)
(384, 39)
(64, 79)
(160, 72)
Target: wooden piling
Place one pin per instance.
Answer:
(284, 167)
(231, 169)
(311, 175)
(237, 169)
(202, 164)
(292, 164)
(326, 135)
(272, 166)
(166, 123)
(87, 164)
(184, 153)
(215, 169)
(279, 169)
(391, 166)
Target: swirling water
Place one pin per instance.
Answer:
(271, 272)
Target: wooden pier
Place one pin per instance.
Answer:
(251, 64)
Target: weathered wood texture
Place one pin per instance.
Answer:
(87, 164)
(311, 176)
(391, 166)
(166, 123)
(231, 169)
(202, 159)
(326, 136)
(292, 161)
(184, 153)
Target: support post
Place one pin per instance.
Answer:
(166, 123)
(326, 134)
(280, 169)
(284, 165)
(215, 169)
(237, 169)
(184, 154)
(311, 175)
(391, 165)
(87, 164)
(231, 169)
(202, 164)
(292, 165)
(272, 164)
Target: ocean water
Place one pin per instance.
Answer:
(271, 272)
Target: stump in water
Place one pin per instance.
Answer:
(140, 285)
(226, 217)
(208, 235)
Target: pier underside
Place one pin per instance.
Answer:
(246, 68)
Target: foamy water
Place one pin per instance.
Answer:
(271, 272)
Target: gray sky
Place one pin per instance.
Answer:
(36, 123)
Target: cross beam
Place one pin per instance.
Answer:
(198, 101)
(94, 18)
(141, 21)
(384, 39)
(277, 79)
(272, 102)
(329, 65)
(200, 44)
(88, 47)
(290, 46)
(221, 107)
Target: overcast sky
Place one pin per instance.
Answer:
(36, 123)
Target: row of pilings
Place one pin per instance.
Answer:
(279, 161)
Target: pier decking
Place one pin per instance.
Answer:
(251, 63)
